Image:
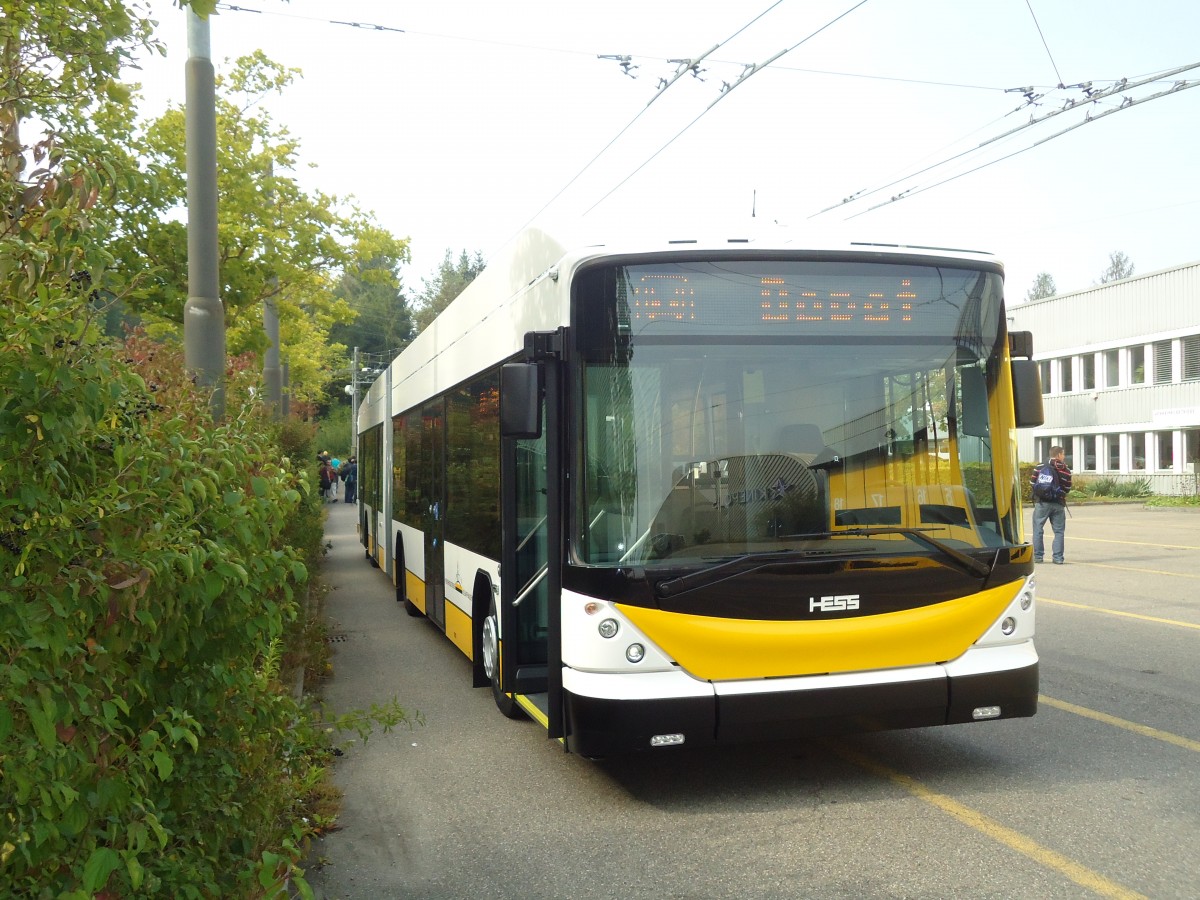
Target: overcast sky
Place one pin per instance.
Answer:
(458, 130)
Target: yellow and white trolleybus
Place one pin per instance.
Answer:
(697, 491)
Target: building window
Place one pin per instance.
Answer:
(1068, 451)
(1087, 371)
(1137, 365)
(1112, 368)
(1044, 374)
(1191, 358)
(1088, 444)
(1064, 373)
(1162, 362)
(1112, 445)
(1191, 450)
(1137, 452)
(1166, 450)
(1041, 448)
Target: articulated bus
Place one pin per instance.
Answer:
(700, 491)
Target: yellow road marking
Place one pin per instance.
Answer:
(1117, 612)
(1079, 874)
(1144, 730)
(1137, 569)
(1136, 543)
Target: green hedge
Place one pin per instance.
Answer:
(146, 578)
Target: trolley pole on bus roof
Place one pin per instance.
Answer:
(203, 314)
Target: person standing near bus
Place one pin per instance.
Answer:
(1051, 482)
(350, 479)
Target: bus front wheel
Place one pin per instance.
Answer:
(490, 644)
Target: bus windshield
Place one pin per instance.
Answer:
(730, 409)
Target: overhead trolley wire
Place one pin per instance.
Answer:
(750, 69)
(1127, 103)
(685, 65)
(1038, 25)
(1092, 98)
(372, 26)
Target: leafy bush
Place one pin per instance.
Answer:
(1113, 488)
(977, 478)
(333, 431)
(151, 560)
(147, 584)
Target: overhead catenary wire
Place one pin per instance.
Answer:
(1038, 25)
(750, 69)
(379, 27)
(684, 66)
(1092, 98)
(1127, 103)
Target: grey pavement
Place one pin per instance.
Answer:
(472, 805)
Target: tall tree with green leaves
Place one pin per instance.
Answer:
(1043, 286)
(383, 321)
(1119, 266)
(447, 283)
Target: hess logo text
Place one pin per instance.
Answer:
(833, 603)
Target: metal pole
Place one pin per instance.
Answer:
(354, 404)
(271, 374)
(203, 314)
(286, 384)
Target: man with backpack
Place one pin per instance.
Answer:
(1051, 482)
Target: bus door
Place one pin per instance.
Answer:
(433, 483)
(530, 659)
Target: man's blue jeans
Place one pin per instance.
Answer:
(1057, 514)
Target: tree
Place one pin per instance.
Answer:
(1119, 266)
(1043, 286)
(383, 321)
(276, 239)
(449, 281)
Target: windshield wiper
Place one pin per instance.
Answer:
(703, 577)
(713, 574)
(970, 564)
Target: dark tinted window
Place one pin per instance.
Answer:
(473, 466)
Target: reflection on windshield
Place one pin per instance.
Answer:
(696, 451)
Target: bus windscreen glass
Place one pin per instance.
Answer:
(733, 408)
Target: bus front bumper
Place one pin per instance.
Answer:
(618, 713)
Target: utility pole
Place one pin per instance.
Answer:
(272, 379)
(285, 403)
(354, 404)
(203, 314)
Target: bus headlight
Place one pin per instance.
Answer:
(607, 628)
(635, 652)
(1009, 625)
(1027, 594)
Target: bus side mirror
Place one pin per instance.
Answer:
(1027, 393)
(520, 402)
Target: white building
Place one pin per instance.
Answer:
(1120, 367)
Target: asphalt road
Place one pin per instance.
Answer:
(1097, 795)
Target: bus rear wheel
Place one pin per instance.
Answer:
(490, 646)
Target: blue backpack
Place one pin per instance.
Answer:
(1045, 483)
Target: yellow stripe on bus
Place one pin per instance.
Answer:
(531, 710)
(718, 649)
(414, 590)
(458, 628)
